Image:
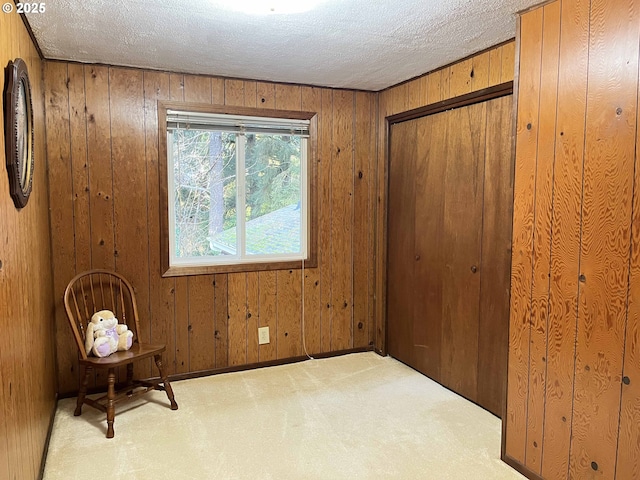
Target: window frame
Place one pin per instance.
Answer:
(311, 260)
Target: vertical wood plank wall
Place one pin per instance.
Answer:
(573, 408)
(102, 143)
(486, 69)
(27, 364)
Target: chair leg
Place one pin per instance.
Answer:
(165, 381)
(129, 377)
(85, 371)
(111, 395)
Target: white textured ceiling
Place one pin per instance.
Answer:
(360, 44)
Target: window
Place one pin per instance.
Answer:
(239, 193)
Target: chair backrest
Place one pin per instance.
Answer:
(95, 290)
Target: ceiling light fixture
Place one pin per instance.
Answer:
(266, 7)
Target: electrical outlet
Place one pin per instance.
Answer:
(263, 335)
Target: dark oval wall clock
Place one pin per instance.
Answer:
(18, 131)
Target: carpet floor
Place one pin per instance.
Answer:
(358, 416)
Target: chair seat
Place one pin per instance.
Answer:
(138, 351)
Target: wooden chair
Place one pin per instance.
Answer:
(96, 290)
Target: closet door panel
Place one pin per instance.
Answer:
(496, 255)
(461, 236)
(401, 241)
(429, 223)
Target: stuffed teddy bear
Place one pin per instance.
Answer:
(105, 336)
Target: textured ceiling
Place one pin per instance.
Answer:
(360, 44)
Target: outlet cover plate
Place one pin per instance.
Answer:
(263, 335)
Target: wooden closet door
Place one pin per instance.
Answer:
(448, 274)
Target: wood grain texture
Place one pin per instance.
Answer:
(496, 255)
(429, 220)
(435, 86)
(542, 236)
(628, 457)
(461, 247)
(523, 224)
(401, 237)
(342, 222)
(437, 209)
(27, 362)
(565, 246)
(204, 320)
(604, 253)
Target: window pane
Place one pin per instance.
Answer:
(273, 194)
(205, 193)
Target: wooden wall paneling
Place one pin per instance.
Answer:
(288, 310)
(217, 91)
(480, 71)
(202, 354)
(221, 319)
(495, 66)
(628, 455)
(497, 209)
(312, 102)
(523, 223)
(445, 81)
(289, 282)
(325, 153)
(565, 241)
(100, 175)
(79, 168)
(508, 62)
(253, 294)
(126, 95)
(234, 92)
(361, 219)
(434, 90)
(382, 186)
(237, 326)
(426, 294)
(268, 305)
(460, 78)
(161, 306)
(399, 98)
(253, 318)
(372, 166)
(604, 254)
(342, 222)
(27, 383)
(541, 252)
(266, 95)
(60, 197)
(416, 92)
(463, 195)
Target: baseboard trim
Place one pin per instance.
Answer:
(45, 450)
(270, 363)
(239, 368)
(522, 469)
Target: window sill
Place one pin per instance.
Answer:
(239, 268)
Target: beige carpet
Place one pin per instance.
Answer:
(356, 416)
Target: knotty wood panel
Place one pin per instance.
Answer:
(27, 368)
(582, 405)
(122, 168)
(606, 212)
(542, 235)
(523, 219)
